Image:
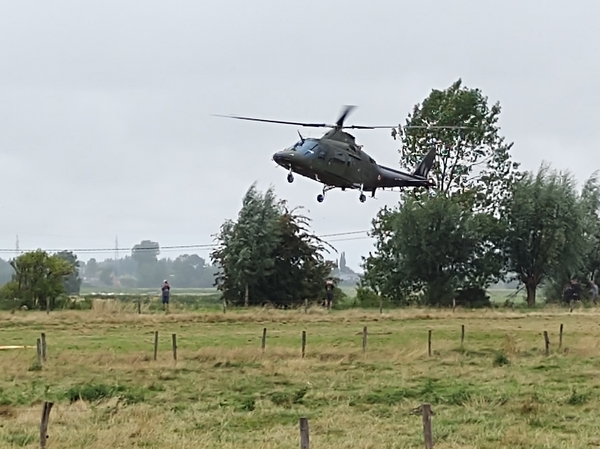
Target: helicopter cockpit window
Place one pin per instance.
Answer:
(305, 146)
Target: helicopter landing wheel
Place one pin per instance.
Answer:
(320, 198)
(362, 198)
(290, 178)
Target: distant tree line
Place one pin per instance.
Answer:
(143, 269)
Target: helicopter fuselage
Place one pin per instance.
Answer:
(339, 162)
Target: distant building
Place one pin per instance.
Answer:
(349, 278)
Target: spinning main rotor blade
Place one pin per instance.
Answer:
(347, 110)
(339, 123)
(312, 125)
(436, 127)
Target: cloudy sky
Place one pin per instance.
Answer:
(105, 106)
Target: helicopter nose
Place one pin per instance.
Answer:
(280, 158)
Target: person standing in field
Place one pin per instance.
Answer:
(594, 291)
(329, 293)
(166, 291)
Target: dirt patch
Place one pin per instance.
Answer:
(6, 411)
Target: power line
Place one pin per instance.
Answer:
(352, 238)
(343, 233)
(101, 250)
(174, 247)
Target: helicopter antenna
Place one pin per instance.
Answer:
(301, 138)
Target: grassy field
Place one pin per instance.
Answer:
(499, 390)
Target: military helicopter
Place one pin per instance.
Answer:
(337, 161)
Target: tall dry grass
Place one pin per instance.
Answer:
(219, 393)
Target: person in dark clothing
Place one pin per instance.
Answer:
(575, 290)
(329, 287)
(572, 292)
(166, 291)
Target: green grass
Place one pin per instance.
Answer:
(497, 390)
(500, 296)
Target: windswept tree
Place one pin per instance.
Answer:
(590, 202)
(247, 246)
(268, 255)
(545, 229)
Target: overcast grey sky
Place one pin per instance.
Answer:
(105, 106)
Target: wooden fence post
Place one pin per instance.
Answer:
(462, 334)
(303, 343)
(453, 304)
(427, 426)
(155, 344)
(139, 305)
(264, 339)
(305, 305)
(560, 336)
(429, 343)
(224, 305)
(304, 434)
(547, 341)
(39, 351)
(174, 347)
(380, 305)
(44, 424)
(43, 347)
(365, 339)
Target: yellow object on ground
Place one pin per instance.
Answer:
(16, 347)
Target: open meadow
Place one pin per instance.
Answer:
(498, 389)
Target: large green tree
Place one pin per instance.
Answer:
(545, 229)
(434, 247)
(472, 159)
(247, 246)
(445, 242)
(39, 278)
(268, 255)
(586, 267)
